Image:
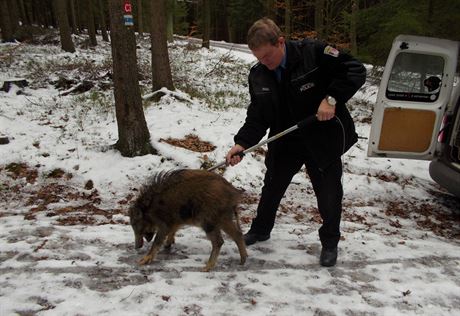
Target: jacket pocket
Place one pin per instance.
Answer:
(304, 83)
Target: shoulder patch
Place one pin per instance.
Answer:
(329, 50)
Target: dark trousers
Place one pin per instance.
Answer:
(282, 165)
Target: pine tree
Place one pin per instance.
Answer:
(161, 69)
(206, 23)
(133, 134)
(5, 23)
(60, 10)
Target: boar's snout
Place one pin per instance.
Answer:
(148, 237)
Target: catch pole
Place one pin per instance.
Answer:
(309, 120)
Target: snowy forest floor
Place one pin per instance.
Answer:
(66, 246)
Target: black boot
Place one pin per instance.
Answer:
(328, 257)
(252, 238)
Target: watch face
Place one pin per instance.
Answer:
(331, 100)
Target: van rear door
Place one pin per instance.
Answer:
(414, 92)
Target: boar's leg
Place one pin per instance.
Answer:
(171, 240)
(217, 241)
(156, 245)
(138, 240)
(232, 229)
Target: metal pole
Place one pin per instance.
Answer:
(301, 124)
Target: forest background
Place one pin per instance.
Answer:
(365, 27)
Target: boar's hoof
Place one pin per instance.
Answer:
(169, 243)
(208, 267)
(146, 260)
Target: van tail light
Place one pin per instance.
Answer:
(442, 135)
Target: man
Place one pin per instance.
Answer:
(432, 84)
(293, 80)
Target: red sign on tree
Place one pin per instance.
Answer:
(128, 7)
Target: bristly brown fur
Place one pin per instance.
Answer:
(175, 198)
(154, 185)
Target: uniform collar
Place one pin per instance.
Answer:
(282, 66)
(284, 60)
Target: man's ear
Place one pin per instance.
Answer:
(281, 40)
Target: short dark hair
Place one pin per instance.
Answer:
(263, 31)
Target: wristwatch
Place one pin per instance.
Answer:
(331, 100)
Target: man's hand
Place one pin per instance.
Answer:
(325, 111)
(232, 158)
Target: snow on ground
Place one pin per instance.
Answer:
(66, 247)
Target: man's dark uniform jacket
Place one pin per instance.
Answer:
(313, 71)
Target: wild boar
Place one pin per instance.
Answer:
(170, 200)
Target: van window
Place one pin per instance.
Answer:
(415, 77)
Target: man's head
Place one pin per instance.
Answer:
(266, 43)
(432, 83)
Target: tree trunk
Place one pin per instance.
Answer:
(206, 23)
(60, 9)
(231, 33)
(36, 13)
(353, 21)
(105, 36)
(161, 69)
(29, 11)
(270, 9)
(133, 133)
(48, 14)
(14, 15)
(170, 21)
(90, 23)
(24, 17)
(5, 23)
(319, 18)
(221, 21)
(73, 17)
(140, 18)
(40, 14)
(287, 19)
(430, 12)
(147, 19)
(80, 14)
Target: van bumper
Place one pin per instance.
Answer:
(446, 176)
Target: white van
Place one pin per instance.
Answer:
(417, 111)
